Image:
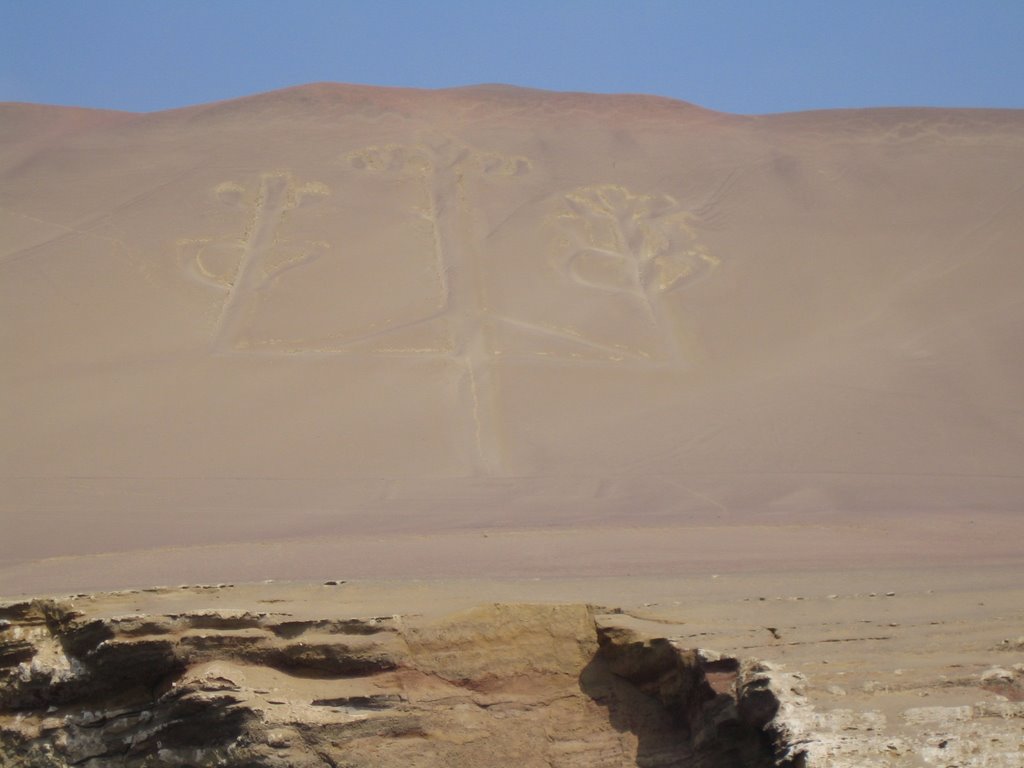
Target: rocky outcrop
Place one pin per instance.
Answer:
(524, 685)
(503, 685)
(989, 734)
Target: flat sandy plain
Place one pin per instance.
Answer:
(493, 343)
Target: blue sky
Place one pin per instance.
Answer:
(750, 56)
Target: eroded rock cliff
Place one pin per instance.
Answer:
(524, 685)
(293, 681)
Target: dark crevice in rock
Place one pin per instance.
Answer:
(14, 652)
(682, 705)
(326, 661)
(360, 702)
(293, 629)
(224, 623)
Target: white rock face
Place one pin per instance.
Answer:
(939, 715)
(985, 735)
(997, 675)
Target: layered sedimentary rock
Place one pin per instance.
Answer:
(271, 684)
(521, 685)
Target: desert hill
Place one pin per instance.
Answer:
(324, 316)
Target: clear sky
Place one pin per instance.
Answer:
(747, 56)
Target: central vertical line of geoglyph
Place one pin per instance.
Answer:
(464, 287)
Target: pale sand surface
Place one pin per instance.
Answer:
(947, 542)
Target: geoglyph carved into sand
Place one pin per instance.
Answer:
(244, 264)
(597, 274)
(636, 245)
(639, 248)
(632, 243)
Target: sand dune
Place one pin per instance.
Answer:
(331, 315)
